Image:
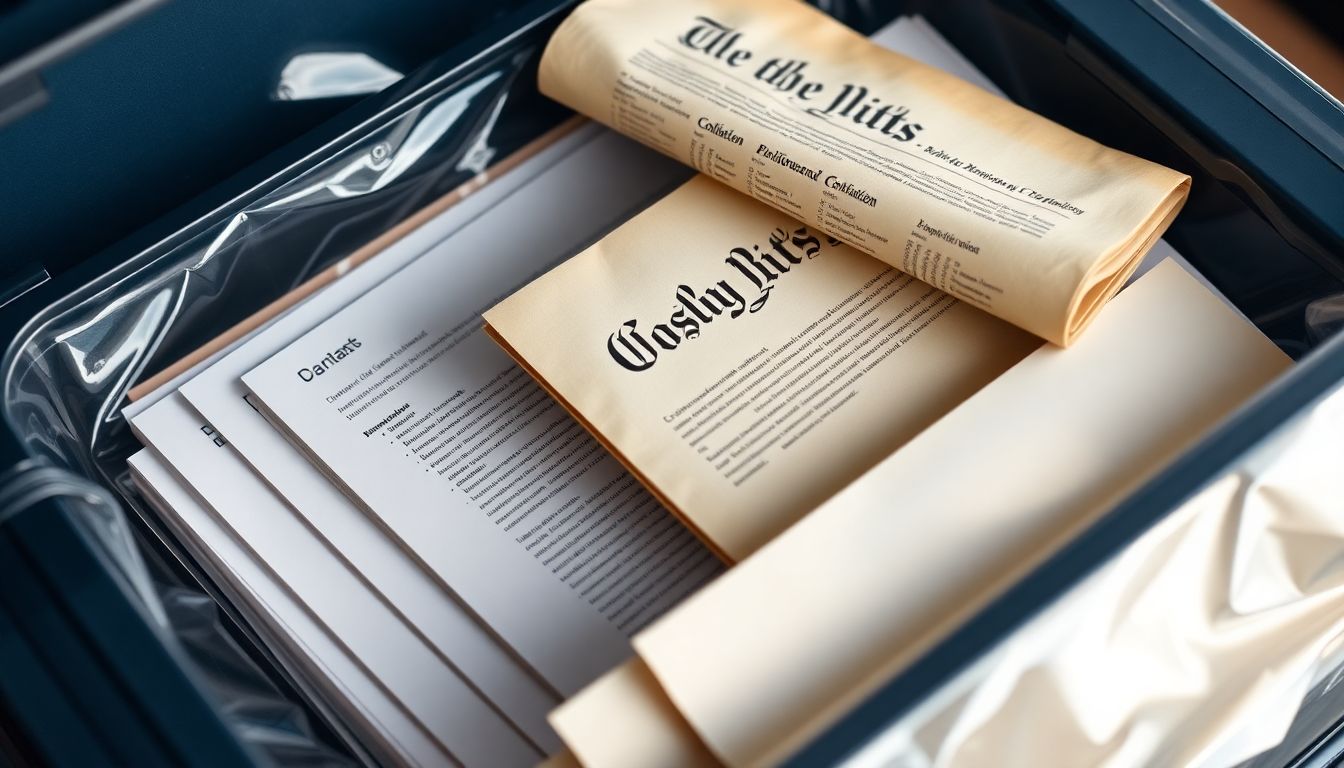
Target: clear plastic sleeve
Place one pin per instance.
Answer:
(68, 373)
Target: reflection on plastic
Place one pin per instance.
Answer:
(383, 163)
(1325, 317)
(66, 374)
(1195, 647)
(276, 726)
(333, 75)
(28, 483)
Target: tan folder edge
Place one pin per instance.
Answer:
(625, 720)
(564, 759)
(369, 250)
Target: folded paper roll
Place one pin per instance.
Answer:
(882, 571)
(777, 649)
(960, 188)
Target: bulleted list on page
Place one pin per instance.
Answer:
(428, 426)
(505, 447)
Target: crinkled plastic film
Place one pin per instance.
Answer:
(1214, 640)
(67, 374)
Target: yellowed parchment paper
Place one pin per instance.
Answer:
(743, 366)
(1196, 646)
(964, 190)
(625, 719)
(773, 651)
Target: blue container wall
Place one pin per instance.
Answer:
(164, 109)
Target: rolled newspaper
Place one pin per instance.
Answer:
(964, 190)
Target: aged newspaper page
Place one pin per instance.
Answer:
(664, 261)
(870, 580)
(964, 190)
(744, 366)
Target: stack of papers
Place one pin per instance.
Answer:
(427, 539)
(444, 553)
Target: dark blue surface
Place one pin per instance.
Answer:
(1266, 147)
(103, 708)
(28, 24)
(93, 676)
(164, 109)
(159, 117)
(40, 698)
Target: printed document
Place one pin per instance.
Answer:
(433, 612)
(962, 189)
(745, 365)
(862, 586)
(423, 421)
(437, 697)
(727, 444)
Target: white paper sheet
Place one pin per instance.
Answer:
(431, 693)
(234, 568)
(217, 393)
(563, 633)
